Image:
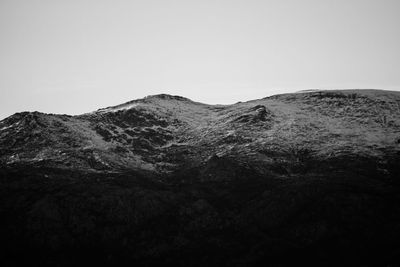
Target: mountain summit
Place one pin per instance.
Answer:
(313, 174)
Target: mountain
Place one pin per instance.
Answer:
(308, 177)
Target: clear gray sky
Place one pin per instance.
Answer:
(75, 56)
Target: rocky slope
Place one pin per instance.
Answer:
(311, 175)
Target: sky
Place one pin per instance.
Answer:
(76, 56)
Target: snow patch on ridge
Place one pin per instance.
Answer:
(118, 108)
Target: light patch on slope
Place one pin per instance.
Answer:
(13, 158)
(10, 126)
(118, 108)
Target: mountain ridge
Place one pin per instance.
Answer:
(178, 97)
(154, 123)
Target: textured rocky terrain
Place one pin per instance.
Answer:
(310, 177)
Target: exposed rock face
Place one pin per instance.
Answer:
(297, 178)
(255, 114)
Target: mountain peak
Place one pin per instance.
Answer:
(148, 99)
(167, 97)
